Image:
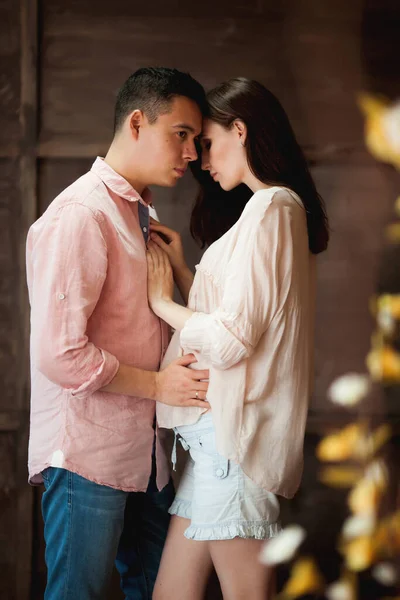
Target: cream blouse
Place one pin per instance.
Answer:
(252, 327)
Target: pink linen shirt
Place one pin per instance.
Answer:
(87, 283)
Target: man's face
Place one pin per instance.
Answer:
(168, 144)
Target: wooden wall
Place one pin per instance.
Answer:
(61, 64)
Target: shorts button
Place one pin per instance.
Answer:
(219, 472)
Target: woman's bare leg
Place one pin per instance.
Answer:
(240, 573)
(185, 565)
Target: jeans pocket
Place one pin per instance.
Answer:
(46, 476)
(220, 467)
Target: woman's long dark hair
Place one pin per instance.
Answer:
(274, 157)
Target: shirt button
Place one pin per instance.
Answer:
(219, 472)
(145, 229)
(61, 296)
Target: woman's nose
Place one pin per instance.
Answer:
(205, 163)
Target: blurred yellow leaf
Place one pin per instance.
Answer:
(380, 436)
(393, 233)
(367, 493)
(340, 445)
(384, 364)
(387, 536)
(305, 578)
(382, 129)
(397, 206)
(340, 477)
(360, 553)
(390, 303)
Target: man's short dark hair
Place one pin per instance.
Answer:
(152, 89)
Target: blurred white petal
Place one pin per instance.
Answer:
(386, 321)
(385, 573)
(340, 590)
(349, 389)
(358, 525)
(377, 472)
(391, 126)
(282, 547)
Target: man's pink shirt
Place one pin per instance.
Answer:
(87, 282)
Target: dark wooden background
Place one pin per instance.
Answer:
(62, 62)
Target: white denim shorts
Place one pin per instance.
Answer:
(215, 494)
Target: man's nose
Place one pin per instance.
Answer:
(191, 152)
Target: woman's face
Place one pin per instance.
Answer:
(223, 154)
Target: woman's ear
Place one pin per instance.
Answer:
(241, 131)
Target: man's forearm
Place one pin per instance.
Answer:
(133, 382)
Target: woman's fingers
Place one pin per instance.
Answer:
(160, 242)
(160, 259)
(150, 261)
(152, 250)
(165, 261)
(169, 233)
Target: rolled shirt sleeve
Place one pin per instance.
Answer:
(68, 268)
(257, 282)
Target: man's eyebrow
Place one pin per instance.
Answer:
(187, 127)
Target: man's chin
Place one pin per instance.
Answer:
(167, 182)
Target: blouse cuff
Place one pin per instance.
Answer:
(209, 336)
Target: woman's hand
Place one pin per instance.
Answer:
(160, 280)
(172, 246)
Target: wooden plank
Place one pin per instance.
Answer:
(9, 421)
(9, 78)
(27, 165)
(8, 515)
(9, 316)
(359, 201)
(379, 47)
(86, 10)
(55, 175)
(86, 60)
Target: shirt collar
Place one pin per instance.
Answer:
(118, 184)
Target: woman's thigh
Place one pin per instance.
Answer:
(185, 565)
(240, 573)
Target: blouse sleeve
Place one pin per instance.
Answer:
(258, 280)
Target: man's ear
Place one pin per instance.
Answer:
(241, 130)
(136, 120)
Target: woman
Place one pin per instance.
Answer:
(249, 320)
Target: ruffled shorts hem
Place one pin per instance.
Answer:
(259, 530)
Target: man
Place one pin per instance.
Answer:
(96, 348)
